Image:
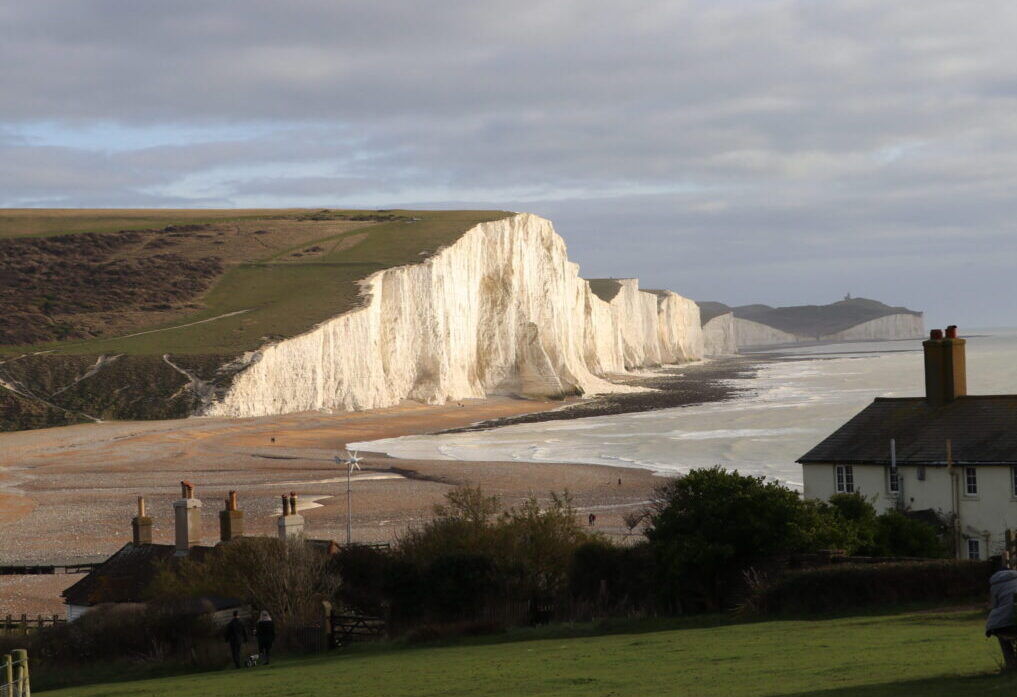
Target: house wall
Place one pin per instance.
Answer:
(76, 611)
(984, 516)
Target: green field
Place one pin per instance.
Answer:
(275, 298)
(927, 654)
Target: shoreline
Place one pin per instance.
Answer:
(78, 484)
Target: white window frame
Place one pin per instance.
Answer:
(844, 479)
(971, 481)
(1013, 482)
(893, 481)
(974, 548)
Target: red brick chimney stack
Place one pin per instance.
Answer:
(945, 366)
(231, 519)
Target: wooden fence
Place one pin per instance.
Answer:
(12, 625)
(46, 569)
(14, 678)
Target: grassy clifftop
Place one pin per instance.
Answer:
(197, 281)
(200, 287)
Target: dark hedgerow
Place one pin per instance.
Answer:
(845, 586)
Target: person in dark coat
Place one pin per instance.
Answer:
(236, 636)
(265, 631)
(1002, 620)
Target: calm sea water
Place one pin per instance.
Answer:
(792, 404)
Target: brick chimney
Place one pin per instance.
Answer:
(290, 524)
(231, 519)
(141, 525)
(187, 515)
(945, 367)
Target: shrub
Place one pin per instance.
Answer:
(710, 524)
(288, 578)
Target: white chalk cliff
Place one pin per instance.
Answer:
(900, 326)
(501, 310)
(719, 337)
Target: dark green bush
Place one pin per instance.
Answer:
(831, 589)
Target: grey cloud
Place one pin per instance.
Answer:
(771, 151)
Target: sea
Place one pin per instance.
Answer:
(797, 397)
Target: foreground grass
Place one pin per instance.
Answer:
(931, 654)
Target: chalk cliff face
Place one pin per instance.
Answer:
(501, 310)
(749, 333)
(719, 336)
(889, 327)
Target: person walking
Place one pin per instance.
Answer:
(1002, 620)
(265, 631)
(236, 636)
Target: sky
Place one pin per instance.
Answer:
(773, 151)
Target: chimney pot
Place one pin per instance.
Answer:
(290, 524)
(141, 526)
(231, 519)
(187, 519)
(945, 367)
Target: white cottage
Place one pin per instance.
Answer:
(948, 452)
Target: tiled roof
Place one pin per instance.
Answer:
(982, 431)
(124, 577)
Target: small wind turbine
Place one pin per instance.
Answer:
(352, 462)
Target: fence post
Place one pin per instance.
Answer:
(24, 681)
(7, 677)
(24, 624)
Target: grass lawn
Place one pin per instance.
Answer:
(927, 654)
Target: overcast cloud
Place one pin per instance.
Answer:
(743, 151)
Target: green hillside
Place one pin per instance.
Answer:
(931, 654)
(200, 286)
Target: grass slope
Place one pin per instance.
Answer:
(273, 296)
(930, 654)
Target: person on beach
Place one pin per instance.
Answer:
(265, 631)
(236, 636)
(1002, 620)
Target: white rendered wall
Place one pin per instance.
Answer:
(501, 310)
(984, 516)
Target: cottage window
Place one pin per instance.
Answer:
(845, 477)
(971, 481)
(974, 549)
(921, 473)
(893, 481)
(1013, 480)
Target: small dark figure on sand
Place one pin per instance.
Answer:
(265, 631)
(236, 636)
(592, 519)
